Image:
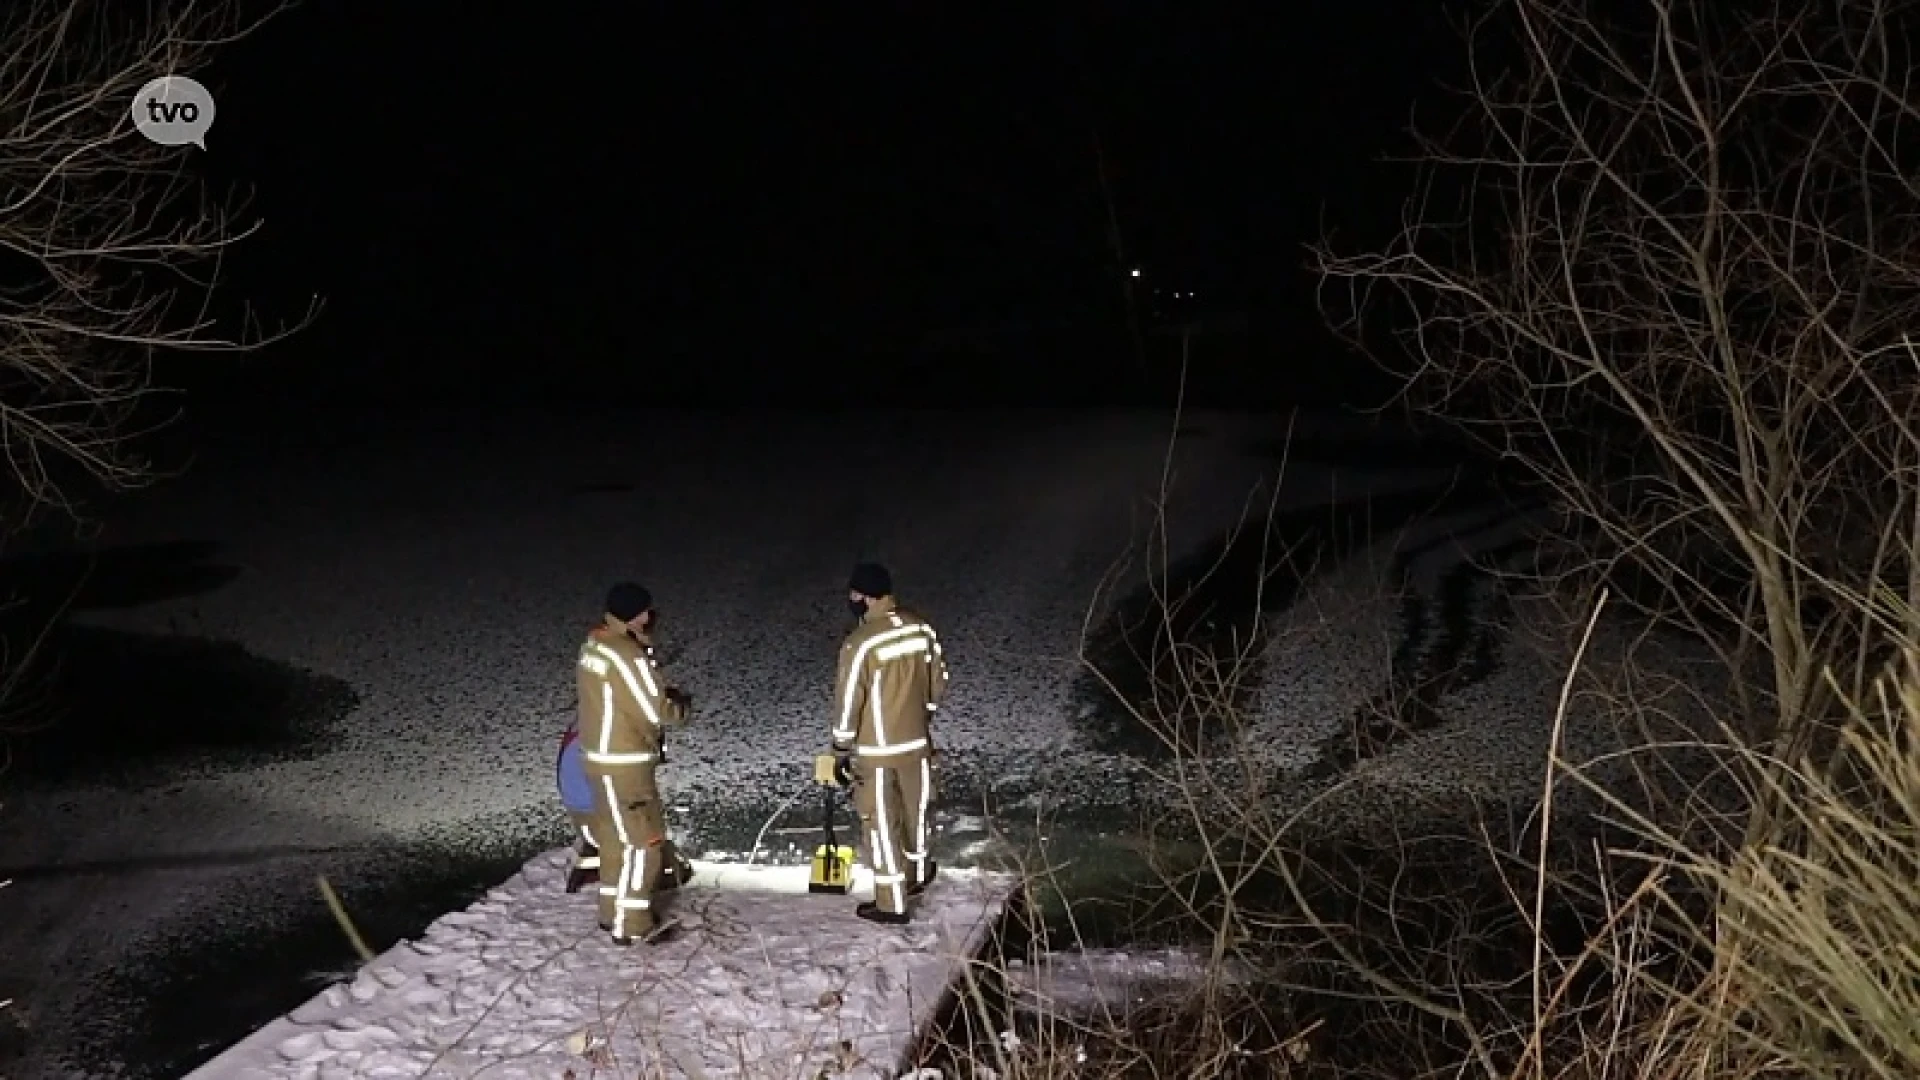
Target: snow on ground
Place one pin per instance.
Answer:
(765, 980)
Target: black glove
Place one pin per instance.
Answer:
(843, 768)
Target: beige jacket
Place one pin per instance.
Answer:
(893, 677)
(623, 699)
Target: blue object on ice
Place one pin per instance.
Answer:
(576, 794)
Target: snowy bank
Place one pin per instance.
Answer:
(764, 980)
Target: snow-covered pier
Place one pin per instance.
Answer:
(763, 979)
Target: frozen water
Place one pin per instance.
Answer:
(445, 567)
(1106, 983)
(1332, 650)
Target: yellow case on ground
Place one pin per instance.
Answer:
(832, 870)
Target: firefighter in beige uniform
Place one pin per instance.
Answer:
(624, 707)
(893, 676)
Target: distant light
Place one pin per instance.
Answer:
(1136, 273)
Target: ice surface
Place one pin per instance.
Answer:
(765, 980)
(1331, 651)
(1496, 738)
(449, 582)
(1086, 984)
(446, 569)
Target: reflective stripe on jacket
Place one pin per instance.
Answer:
(623, 699)
(893, 676)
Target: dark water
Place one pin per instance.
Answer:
(191, 996)
(90, 705)
(106, 708)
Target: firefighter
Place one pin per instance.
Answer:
(625, 707)
(892, 679)
(576, 795)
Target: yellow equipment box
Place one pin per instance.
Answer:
(832, 870)
(832, 861)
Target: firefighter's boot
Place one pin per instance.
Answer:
(876, 914)
(926, 878)
(586, 867)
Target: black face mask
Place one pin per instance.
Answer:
(858, 607)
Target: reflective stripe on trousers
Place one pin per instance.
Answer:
(892, 801)
(633, 864)
(917, 854)
(588, 862)
(886, 870)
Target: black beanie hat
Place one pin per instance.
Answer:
(626, 601)
(871, 579)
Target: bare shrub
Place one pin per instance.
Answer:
(1381, 942)
(1668, 262)
(110, 251)
(111, 243)
(110, 247)
(1677, 285)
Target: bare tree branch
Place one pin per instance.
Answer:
(110, 245)
(1680, 289)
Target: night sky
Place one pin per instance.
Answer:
(777, 203)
